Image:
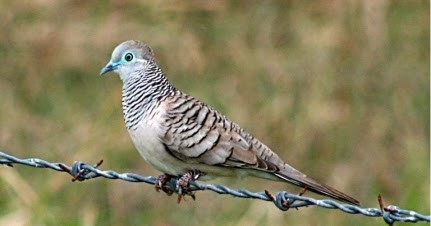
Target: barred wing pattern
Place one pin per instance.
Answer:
(196, 133)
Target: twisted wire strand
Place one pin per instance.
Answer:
(282, 199)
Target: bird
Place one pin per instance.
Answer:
(184, 137)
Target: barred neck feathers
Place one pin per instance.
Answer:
(142, 94)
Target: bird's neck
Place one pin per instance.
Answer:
(142, 93)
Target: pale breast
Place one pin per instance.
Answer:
(146, 138)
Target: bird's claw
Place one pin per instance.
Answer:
(161, 182)
(183, 184)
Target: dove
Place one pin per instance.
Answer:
(184, 137)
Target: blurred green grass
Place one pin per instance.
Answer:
(340, 89)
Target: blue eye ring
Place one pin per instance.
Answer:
(128, 57)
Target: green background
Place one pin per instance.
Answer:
(339, 89)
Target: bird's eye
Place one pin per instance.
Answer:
(128, 57)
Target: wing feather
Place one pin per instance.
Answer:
(196, 132)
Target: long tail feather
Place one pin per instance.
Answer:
(295, 177)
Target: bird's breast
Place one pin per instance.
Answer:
(146, 138)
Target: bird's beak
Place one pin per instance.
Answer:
(109, 67)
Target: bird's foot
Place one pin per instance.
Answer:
(183, 184)
(161, 183)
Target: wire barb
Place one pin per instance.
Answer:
(283, 200)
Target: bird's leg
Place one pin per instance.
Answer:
(183, 183)
(161, 183)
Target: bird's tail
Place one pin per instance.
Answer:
(293, 176)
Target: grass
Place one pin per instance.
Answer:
(339, 89)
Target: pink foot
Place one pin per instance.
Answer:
(183, 183)
(161, 183)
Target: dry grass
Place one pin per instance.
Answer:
(340, 89)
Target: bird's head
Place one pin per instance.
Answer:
(128, 57)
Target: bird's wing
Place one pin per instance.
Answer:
(197, 133)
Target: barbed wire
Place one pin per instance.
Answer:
(283, 200)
